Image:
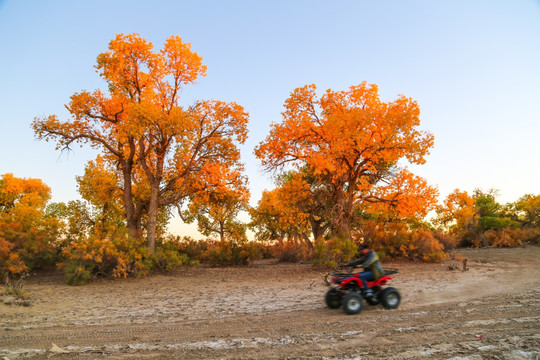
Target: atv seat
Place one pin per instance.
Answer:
(390, 271)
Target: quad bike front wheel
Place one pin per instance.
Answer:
(390, 298)
(333, 298)
(352, 303)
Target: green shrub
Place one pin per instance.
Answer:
(334, 251)
(171, 255)
(77, 272)
(194, 249)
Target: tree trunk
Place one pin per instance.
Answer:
(103, 221)
(308, 242)
(131, 218)
(221, 231)
(153, 208)
(342, 212)
(317, 229)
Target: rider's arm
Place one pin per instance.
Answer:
(353, 263)
(357, 262)
(368, 259)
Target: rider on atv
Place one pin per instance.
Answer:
(372, 268)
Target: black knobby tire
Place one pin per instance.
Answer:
(352, 303)
(390, 298)
(333, 298)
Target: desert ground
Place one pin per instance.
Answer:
(277, 311)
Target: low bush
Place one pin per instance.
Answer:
(171, 255)
(232, 252)
(505, 237)
(25, 248)
(449, 241)
(423, 245)
(119, 256)
(10, 262)
(289, 251)
(194, 249)
(15, 288)
(397, 240)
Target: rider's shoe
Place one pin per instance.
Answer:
(368, 293)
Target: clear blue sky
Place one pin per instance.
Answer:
(473, 66)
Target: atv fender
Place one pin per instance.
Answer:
(352, 282)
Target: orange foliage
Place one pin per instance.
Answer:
(458, 212)
(20, 194)
(397, 240)
(26, 234)
(10, 262)
(282, 212)
(143, 131)
(99, 184)
(478, 220)
(99, 187)
(507, 237)
(407, 197)
(352, 130)
(352, 141)
(290, 251)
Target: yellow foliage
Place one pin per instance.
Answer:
(119, 256)
(458, 212)
(397, 240)
(26, 235)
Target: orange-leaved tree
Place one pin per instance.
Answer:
(288, 211)
(351, 143)
(27, 235)
(141, 128)
(216, 211)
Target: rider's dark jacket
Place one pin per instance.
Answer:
(370, 262)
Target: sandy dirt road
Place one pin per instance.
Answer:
(277, 311)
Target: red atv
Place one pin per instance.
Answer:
(347, 291)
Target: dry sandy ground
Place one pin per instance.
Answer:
(277, 311)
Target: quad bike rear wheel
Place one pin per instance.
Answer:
(352, 303)
(390, 298)
(333, 298)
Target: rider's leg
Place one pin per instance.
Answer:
(365, 277)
